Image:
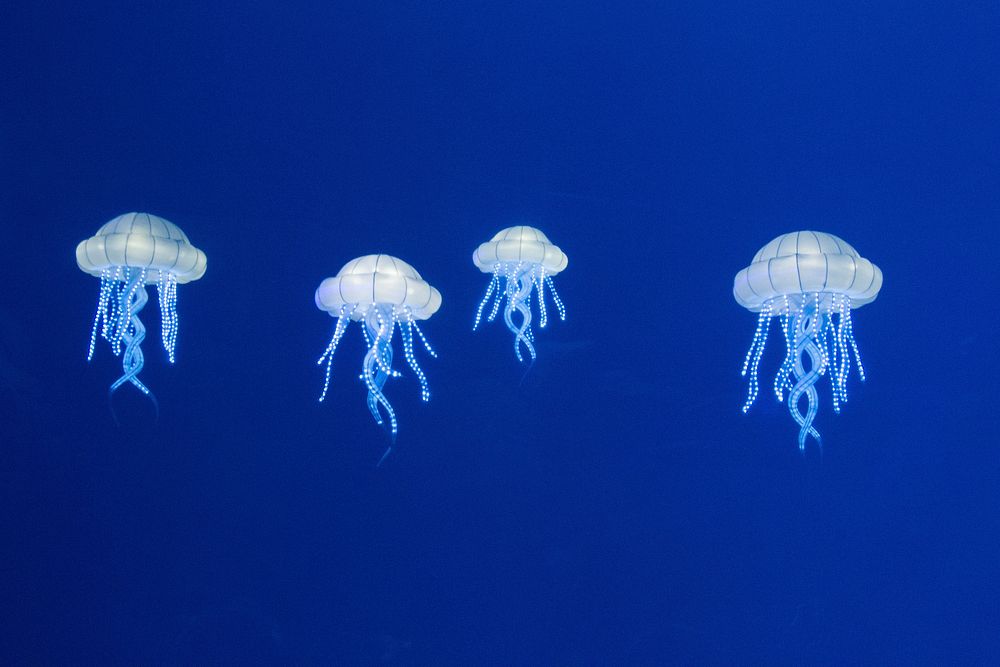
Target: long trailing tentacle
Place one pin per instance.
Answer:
(808, 323)
(494, 286)
(406, 327)
(423, 338)
(518, 298)
(167, 291)
(752, 362)
(110, 287)
(128, 329)
(343, 321)
(848, 332)
(783, 379)
(538, 280)
(560, 307)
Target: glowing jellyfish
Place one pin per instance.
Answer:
(128, 253)
(521, 259)
(810, 281)
(380, 292)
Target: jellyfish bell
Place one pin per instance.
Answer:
(521, 260)
(142, 241)
(810, 281)
(381, 292)
(374, 281)
(127, 253)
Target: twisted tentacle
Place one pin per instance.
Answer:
(515, 282)
(518, 298)
(378, 365)
(805, 344)
(132, 332)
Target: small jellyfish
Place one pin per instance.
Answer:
(521, 259)
(128, 253)
(380, 292)
(810, 281)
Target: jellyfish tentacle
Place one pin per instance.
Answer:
(388, 450)
(493, 286)
(752, 362)
(167, 292)
(835, 349)
(108, 288)
(560, 307)
(849, 337)
(808, 322)
(518, 295)
(343, 321)
(501, 293)
(117, 324)
(420, 334)
(369, 371)
(514, 282)
(131, 331)
(529, 332)
(377, 367)
(538, 280)
(789, 322)
(406, 333)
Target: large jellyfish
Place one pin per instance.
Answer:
(810, 281)
(128, 253)
(521, 259)
(380, 292)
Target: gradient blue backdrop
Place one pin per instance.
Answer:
(615, 506)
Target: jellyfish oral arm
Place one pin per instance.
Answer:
(123, 295)
(817, 328)
(519, 286)
(806, 325)
(513, 283)
(133, 335)
(378, 325)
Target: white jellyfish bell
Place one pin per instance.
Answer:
(128, 253)
(522, 260)
(380, 292)
(810, 281)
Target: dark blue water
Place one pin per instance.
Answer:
(611, 506)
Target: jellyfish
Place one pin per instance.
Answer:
(128, 253)
(810, 281)
(522, 260)
(381, 292)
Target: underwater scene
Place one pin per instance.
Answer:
(492, 333)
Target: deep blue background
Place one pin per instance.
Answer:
(615, 506)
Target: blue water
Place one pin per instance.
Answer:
(611, 505)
